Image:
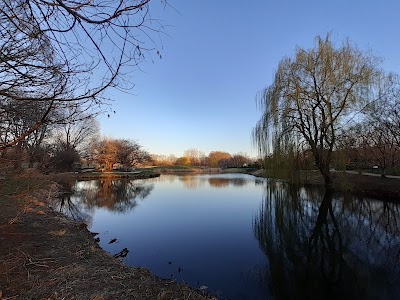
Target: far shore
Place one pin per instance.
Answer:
(118, 174)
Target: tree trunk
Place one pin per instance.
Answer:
(18, 157)
(323, 166)
(327, 176)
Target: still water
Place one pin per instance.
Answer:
(244, 237)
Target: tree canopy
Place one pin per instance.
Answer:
(108, 152)
(313, 95)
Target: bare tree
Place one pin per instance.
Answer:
(53, 52)
(380, 132)
(313, 95)
(130, 154)
(386, 111)
(77, 134)
(379, 146)
(163, 160)
(195, 156)
(17, 118)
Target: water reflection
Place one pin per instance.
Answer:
(195, 181)
(322, 247)
(219, 182)
(192, 181)
(118, 196)
(73, 209)
(114, 195)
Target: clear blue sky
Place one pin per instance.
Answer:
(220, 53)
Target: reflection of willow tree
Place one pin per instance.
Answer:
(325, 250)
(321, 248)
(115, 195)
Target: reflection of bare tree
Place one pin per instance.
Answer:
(116, 195)
(238, 181)
(320, 247)
(72, 208)
(218, 182)
(191, 181)
(221, 182)
(165, 178)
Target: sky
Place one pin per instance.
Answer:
(218, 54)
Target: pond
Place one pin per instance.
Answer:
(242, 237)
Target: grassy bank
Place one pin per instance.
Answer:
(386, 189)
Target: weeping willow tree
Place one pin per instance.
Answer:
(314, 95)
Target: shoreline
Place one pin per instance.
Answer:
(118, 175)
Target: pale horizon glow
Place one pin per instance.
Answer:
(219, 54)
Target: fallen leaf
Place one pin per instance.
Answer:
(59, 233)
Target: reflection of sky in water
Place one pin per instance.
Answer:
(245, 237)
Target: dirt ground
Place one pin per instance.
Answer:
(43, 255)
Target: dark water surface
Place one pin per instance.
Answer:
(246, 238)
